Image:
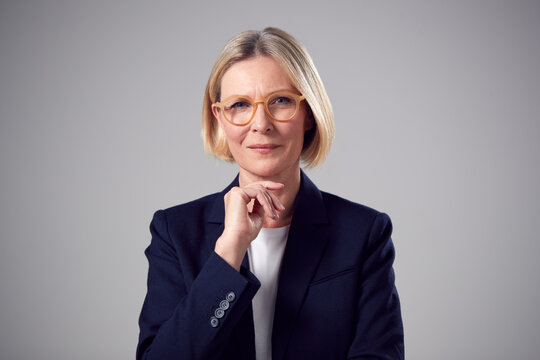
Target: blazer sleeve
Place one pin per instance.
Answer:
(181, 323)
(379, 329)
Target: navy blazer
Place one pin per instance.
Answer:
(336, 297)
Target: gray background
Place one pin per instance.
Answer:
(438, 124)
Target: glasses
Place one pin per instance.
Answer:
(280, 106)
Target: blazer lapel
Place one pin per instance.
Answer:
(306, 242)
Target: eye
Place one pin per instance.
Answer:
(282, 100)
(238, 105)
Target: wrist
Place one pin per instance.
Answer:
(231, 249)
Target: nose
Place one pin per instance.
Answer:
(261, 123)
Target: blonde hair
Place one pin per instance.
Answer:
(295, 60)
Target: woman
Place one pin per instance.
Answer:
(271, 267)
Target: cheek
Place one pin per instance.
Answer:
(301, 126)
(296, 133)
(234, 135)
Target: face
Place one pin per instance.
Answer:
(263, 148)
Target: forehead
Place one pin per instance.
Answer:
(257, 76)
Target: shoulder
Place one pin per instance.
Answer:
(341, 205)
(203, 204)
(193, 212)
(180, 229)
(209, 208)
(351, 214)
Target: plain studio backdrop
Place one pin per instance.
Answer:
(437, 110)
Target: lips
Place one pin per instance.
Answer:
(263, 148)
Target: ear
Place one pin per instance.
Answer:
(215, 111)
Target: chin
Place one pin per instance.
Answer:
(268, 169)
(265, 172)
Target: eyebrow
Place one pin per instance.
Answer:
(293, 90)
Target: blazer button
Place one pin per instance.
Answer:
(214, 322)
(231, 296)
(219, 313)
(224, 304)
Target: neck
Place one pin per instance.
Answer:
(287, 195)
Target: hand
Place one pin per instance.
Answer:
(242, 225)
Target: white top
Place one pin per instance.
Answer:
(265, 254)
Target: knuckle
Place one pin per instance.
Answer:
(234, 190)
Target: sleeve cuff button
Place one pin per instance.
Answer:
(224, 304)
(219, 313)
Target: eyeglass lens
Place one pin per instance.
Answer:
(239, 110)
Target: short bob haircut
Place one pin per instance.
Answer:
(295, 60)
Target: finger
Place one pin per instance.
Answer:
(267, 205)
(271, 201)
(258, 209)
(273, 212)
(270, 185)
(277, 204)
(256, 191)
(243, 193)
